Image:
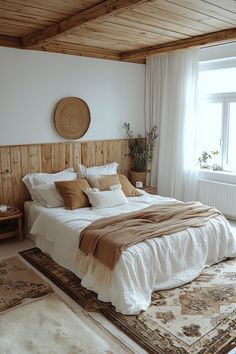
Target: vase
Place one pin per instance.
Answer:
(138, 177)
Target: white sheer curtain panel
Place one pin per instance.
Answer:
(171, 102)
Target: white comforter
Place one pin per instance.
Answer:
(155, 264)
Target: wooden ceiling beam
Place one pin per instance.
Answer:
(96, 12)
(10, 41)
(203, 40)
(82, 50)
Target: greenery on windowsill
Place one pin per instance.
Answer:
(203, 160)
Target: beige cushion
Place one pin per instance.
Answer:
(73, 193)
(127, 187)
(104, 182)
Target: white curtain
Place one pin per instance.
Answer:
(171, 101)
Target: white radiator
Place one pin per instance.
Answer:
(218, 194)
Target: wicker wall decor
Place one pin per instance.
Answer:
(72, 117)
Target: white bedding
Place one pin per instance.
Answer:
(155, 264)
(32, 210)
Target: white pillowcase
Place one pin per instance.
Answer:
(33, 179)
(29, 182)
(106, 199)
(44, 178)
(109, 169)
(48, 195)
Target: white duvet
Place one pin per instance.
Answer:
(155, 264)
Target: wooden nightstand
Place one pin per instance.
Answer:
(150, 190)
(11, 225)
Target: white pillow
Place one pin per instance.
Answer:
(109, 169)
(48, 195)
(45, 178)
(106, 199)
(28, 181)
(33, 179)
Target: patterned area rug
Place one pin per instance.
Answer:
(19, 284)
(29, 306)
(197, 318)
(49, 326)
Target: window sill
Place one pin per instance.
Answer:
(219, 176)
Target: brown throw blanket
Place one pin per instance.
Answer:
(106, 238)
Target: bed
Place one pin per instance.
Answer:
(155, 264)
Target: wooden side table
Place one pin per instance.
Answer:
(11, 225)
(150, 190)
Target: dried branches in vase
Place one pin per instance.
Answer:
(141, 151)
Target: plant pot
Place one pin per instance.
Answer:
(138, 177)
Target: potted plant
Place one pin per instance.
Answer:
(141, 151)
(205, 156)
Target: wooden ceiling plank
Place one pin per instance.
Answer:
(35, 12)
(107, 42)
(64, 7)
(123, 32)
(139, 26)
(225, 4)
(103, 34)
(95, 40)
(17, 22)
(9, 27)
(28, 19)
(8, 30)
(191, 12)
(174, 19)
(161, 23)
(177, 15)
(206, 8)
(10, 41)
(104, 39)
(104, 8)
(197, 41)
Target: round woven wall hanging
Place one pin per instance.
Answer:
(72, 117)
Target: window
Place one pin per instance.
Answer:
(217, 113)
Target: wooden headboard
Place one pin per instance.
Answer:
(18, 160)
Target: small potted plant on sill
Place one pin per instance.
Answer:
(141, 151)
(205, 156)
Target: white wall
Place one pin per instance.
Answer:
(31, 83)
(221, 51)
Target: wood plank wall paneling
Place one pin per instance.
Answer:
(6, 180)
(17, 161)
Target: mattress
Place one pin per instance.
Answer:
(155, 264)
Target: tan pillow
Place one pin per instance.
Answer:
(73, 193)
(127, 187)
(103, 182)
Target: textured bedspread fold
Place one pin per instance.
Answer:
(106, 238)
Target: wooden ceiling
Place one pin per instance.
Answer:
(128, 30)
